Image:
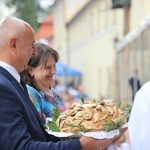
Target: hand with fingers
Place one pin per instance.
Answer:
(89, 143)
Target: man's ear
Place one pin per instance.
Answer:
(13, 43)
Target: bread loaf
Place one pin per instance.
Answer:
(90, 116)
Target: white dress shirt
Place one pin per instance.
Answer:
(11, 70)
(139, 123)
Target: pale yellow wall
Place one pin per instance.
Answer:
(95, 56)
(96, 60)
(60, 33)
(91, 42)
(72, 7)
(140, 10)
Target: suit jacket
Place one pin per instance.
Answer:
(20, 124)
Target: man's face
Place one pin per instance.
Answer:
(25, 50)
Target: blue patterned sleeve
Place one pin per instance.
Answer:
(45, 109)
(61, 104)
(35, 97)
(38, 101)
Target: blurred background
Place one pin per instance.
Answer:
(102, 43)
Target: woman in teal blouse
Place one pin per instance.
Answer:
(39, 78)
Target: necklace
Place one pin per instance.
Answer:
(49, 92)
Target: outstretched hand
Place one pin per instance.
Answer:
(122, 131)
(89, 143)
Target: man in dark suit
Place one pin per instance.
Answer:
(20, 124)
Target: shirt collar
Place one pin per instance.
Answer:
(11, 70)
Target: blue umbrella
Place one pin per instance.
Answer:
(63, 69)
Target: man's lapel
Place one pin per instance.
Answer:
(24, 86)
(23, 91)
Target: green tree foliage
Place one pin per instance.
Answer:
(28, 10)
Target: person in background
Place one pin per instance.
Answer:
(71, 90)
(20, 124)
(139, 121)
(59, 87)
(39, 78)
(81, 93)
(134, 83)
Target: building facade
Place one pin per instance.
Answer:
(89, 42)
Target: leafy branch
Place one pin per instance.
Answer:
(111, 125)
(80, 127)
(55, 114)
(82, 98)
(119, 104)
(52, 126)
(127, 110)
(52, 123)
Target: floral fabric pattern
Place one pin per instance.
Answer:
(45, 103)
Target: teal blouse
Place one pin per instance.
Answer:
(45, 103)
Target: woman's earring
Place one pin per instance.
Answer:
(32, 75)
